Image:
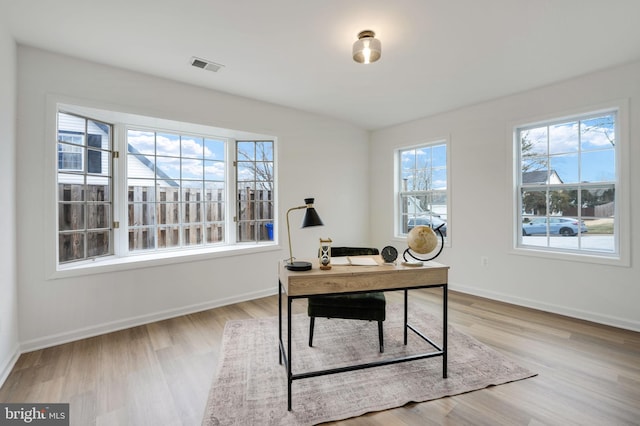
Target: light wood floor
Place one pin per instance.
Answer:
(160, 373)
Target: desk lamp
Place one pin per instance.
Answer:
(311, 218)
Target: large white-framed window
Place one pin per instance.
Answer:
(570, 185)
(422, 189)
(167, 189)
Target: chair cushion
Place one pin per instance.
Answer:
(366, 306)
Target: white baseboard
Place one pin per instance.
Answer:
(548, 307)
(7, 365)
(96, 330)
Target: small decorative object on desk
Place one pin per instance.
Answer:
(325, 253)
(422, 240)
(389, 254)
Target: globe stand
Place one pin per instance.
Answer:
(408, 250)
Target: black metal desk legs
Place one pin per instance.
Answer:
(445, 327)
(287, 357)
(285, 354)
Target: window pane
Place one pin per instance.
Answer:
(246, 231)
(246, 171)
(264, 172)
(264, 210)
(215, 232)
(214, 170)
(214, 149)
(423, 158)
(192, 169)
(72, 124)
(192, 235)
(534, 203)
(566, 168)
(598, 166)
(99, 135)
(598, 133)
(168, 213)
(168, 236)
(139, 142)
(141, 238)
(71, 247)
(168, 192)
(563, 202)
(192, 212)
(168, 168)
(168, 144)
(192, 147)
(98, 244)
(98, 189)
(533, 142)
(68, 191)
(246, 210)
(71, 216)
(246, 151)
(563, 138)
(439, 156)
(98, 162)
(439, 179)
(98, 216)
(598, 203)
(535, 164)
(70, 157)
(264, 151)
(140, 166)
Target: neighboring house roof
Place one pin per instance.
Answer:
(147, 163)
(541, 177)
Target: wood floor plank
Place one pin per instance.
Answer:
(160, 373)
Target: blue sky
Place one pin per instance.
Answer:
(579, 151)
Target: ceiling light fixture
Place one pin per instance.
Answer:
(367, 48)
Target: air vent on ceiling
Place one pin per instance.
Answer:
(205, 64)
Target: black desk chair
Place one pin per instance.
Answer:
(369, 306)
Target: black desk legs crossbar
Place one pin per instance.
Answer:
(407, 326)
(285, 355)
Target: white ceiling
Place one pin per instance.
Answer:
(437, 55)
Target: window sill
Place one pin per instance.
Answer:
(147, 260)
(583, 257)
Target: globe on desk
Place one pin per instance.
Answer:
(422, 240)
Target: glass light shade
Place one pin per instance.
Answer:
(367, 48)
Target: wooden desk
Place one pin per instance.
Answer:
(359, 279)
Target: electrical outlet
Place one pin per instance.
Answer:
(484, 261)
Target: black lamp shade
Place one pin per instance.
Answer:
(311, 217)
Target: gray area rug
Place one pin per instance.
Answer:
(250, 386)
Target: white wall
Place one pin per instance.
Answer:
(481, 206)
(8, 287)
(318, 157)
